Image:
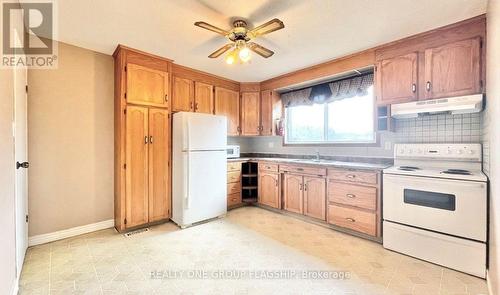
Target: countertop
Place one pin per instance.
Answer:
(324, 163)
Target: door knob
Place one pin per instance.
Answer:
(24, 165)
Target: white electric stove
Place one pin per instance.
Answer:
(435, 205)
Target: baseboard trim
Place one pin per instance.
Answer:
(70, 232)
(488, 282)
(15, 287)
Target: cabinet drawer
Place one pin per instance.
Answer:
(233, 188)
(353, 175)
(233, 199)
(233, 176)
(302, 170)
(268, 167)
(357, 220)
(233, 166)
(352, 195)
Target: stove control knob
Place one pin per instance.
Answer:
(448, 151)
(459, 152)
(401, 151)
(471, 152)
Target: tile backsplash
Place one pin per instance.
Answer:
(465, 128)
(440, 128)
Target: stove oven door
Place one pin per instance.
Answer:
(452, 207)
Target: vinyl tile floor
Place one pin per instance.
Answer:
(250, 251)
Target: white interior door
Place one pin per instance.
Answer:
(21, 156)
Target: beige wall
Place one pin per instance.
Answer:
(492, 124)
(7, 179)
(70, 119)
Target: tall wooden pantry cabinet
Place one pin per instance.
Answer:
(142, 138)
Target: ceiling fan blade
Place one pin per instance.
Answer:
(260, 50)
(221, 50)
(270, 26)
(209, 27)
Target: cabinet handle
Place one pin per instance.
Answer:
(413, 88)
(276, 182)
(300, 187)
(191, 105)
(351, 176)
(166, 97)
(350, 219)
(151, 139)
(428, 85)
(305, 187)
(300, 169)
(146, 139)
(352, 196)
(196, 106)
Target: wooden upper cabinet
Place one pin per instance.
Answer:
(293, 193)
(396, 79)
(227, 103)
(182, 95)
(250, 113)
(453, 69)
(315, 197)
(146, 86)
(136, 174)
(203, 98)
(158, 152)
(270, 110)
(269, 189)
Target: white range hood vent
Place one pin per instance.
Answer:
(454, 105)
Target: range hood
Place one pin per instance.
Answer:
(454, 105)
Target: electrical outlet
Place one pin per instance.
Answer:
(270, 144)
(388, 145)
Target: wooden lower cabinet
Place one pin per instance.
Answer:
(136, 150)
(147, 174)
(159, 172)
(233, 184)
(353, 219)
(269, 189)
(315, 197)
(293, 193)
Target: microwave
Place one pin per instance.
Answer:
(233, 151)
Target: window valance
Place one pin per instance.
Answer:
(328, 92)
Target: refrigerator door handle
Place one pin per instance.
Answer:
(187, 198)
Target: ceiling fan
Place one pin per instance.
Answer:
(240, 37)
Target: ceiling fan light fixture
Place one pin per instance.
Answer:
(244, 54)
(231, 57)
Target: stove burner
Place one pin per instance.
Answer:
(408, 168)
(457, 171)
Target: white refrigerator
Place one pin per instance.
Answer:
(199, 167)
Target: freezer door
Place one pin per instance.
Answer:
(204, 132)
(205, 185)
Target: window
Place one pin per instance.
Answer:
(349, 120)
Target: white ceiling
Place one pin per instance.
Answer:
(315, 30)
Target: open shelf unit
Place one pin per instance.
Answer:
(249, 182)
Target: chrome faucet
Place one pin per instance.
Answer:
(317, 156)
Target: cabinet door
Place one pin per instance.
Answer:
(293, 193)
(182, 95)
(227, 103)
(453, 69)
(203, 98)
(315, 197)
(159, 148)
(136, 173)
(269, 189)
(397, 79)
(270, 110)
(250, 113)
(147, 86)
